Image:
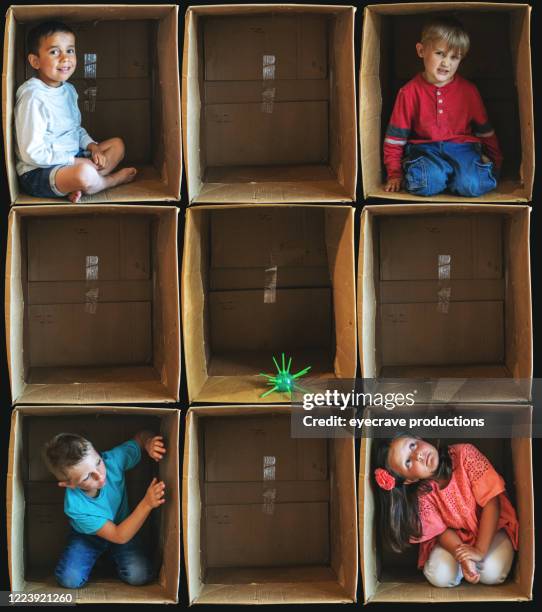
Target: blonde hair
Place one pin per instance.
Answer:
(63, 452)
(450, 31)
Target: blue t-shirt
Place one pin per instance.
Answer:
(89, 514)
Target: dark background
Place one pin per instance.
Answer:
(536, 269)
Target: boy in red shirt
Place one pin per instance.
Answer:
(439, 136)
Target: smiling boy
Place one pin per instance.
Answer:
(55, 155)
(439, 136)
(96, 503)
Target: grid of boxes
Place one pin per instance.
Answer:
(94, 294)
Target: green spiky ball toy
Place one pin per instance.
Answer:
(283, 381)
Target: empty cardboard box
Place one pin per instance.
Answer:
(392, 577)
(127, 78)
(268, 103)
(445, 292)
(259, 281)
(37, 527)
(267, 518)
(501, 72)
(92, 304)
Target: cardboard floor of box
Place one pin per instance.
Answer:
(403, 592)
(101, 591)
(246, 386)
(271, 585)
(507, 191)
(148, 187)
(250, 184)
(92, 385)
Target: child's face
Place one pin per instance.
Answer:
(413, 459)
(89, 474)
(56, 59)
(440, 62)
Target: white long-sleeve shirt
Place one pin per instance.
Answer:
(48, 128)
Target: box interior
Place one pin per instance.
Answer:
(390, 576)
(271, 98)
(267, 280)
(128, 86)
(502, 77)
(272, 515)
(41, 529)
(445, 295)
(92, 296)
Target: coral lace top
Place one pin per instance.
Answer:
(459, 505)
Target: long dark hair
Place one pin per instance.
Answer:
(399, 516)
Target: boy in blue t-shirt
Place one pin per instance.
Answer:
(97, 505)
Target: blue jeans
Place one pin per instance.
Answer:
(435, 166)
(82, 552)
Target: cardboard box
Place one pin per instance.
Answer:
(392, 577)
(269, 103)
(262, 280)
(267, 518)
(36, 525)
(445, 292)
(92, 305)
(503, 76)
(127, 79)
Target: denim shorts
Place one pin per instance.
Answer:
(41, 183)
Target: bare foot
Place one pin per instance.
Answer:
(470, 573)
(126, 175)
(75, 196)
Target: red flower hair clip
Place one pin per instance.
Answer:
(384, 479)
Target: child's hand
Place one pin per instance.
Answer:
(155, 448)
(97, 157)
(99, 160)
(393, 184)
(154, 496)
(464, 552)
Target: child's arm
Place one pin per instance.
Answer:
(125, 531)
(485, 132)
(154, 445)
(30, 127)
(488, 527)
(395, 140)
(449, 540)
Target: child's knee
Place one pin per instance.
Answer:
(118, 145)
(424, 178)
(476, 182)
(136, 573)
(497, 563)
(441, 569)
(70, 578)
(85, 176)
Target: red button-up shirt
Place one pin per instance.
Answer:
(425, 113)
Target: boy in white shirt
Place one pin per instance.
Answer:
(55, 155)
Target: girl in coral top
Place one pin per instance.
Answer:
(450, 501)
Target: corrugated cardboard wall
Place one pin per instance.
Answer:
(267, 494)
(86, 299)
(266, 84)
